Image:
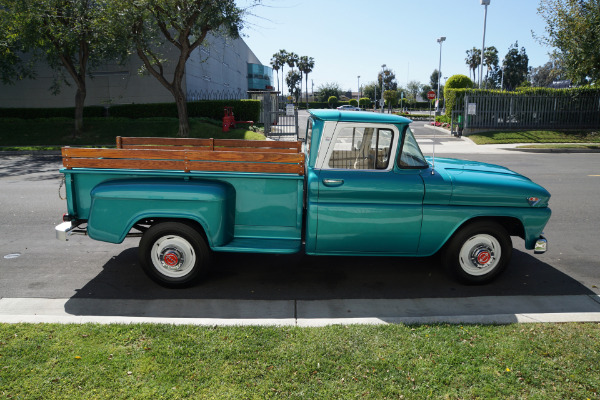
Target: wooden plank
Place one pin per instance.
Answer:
(149, 154)
(247, 167)
(121, 164)
(183, 154)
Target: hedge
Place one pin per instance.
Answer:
(244, 110)
(68, 112)
(455, 98)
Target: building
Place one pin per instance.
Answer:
(223, 68)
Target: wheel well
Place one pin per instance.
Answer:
(513, 226)
(146, 223)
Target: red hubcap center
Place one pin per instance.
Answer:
(171, 259)
(484, 257)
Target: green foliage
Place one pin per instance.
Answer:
(244, 110)
(332, 101)
(516, 66)
(67, 112)
(473, 60)
(573, 27)
(390, 97)
(327, 90)
(353, 102)
(458, 82)
(364, 102)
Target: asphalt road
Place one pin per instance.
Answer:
(33, 264)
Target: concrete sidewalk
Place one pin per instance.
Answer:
(447, 143)
(305, 313)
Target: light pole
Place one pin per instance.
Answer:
(440, 41)
(382, 86)
(483, 3)
(358, 93)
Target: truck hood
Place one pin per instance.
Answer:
(477, 183)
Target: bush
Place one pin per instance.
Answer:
(353, 102)
(33, 113)
(244, 110)
(332, 101)
(458, 82)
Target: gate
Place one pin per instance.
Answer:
(280, 124)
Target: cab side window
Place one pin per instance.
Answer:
(361, 148)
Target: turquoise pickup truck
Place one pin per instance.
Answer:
(358, 186)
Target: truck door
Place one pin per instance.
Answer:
(366, 203)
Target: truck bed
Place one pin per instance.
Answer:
(262, 181)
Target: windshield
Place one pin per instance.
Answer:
(411, 156)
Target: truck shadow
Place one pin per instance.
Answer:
(297, 281)
(32, 167)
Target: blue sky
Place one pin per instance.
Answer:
(350, 38)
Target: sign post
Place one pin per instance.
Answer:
(430, 96)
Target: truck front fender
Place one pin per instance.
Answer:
(118, 204)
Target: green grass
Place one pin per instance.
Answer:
(560, 146)
(52, 133)
(532, 361)
(503, 137)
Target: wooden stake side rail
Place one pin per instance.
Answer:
(184, 159)
(208, 144)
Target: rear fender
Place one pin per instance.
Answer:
(118, 204)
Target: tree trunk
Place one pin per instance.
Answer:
(182, 114)
(79, 103)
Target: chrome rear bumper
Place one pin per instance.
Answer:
(64, 230)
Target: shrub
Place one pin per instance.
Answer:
(33, 113)
(332, 101)
(353, 102)
(458, 82)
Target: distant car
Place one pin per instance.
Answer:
(347, 107)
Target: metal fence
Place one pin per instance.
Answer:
(216, 95)
(527, 112)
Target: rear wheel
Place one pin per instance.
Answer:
(478, 252)
(174, 254)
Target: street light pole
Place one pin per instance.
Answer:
(382, 86)
(485, 3)
(358, 93)
(440, 41)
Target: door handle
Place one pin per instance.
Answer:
(333, 182)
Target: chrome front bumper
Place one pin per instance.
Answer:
(541, 245)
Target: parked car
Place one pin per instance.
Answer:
(348, 107)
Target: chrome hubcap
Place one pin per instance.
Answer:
(173, 256)
(480, 254)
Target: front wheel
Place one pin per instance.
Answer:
(478, 252)
(174, 254)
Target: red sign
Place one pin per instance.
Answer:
(431, 95)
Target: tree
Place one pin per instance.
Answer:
(276, 66)
(473, 60)
(306, 65)
(413, 88)
(369, 90)
(389, 80)
(573, 27)
(434, 79)
(544, 75)
(293, 80)
(391, 98)
(424, 90)
(292, 60)
(516, 66)
(490, 60)
(329, 89)
(69, 35)
(364, 102)
(281, 59)
(182, 24)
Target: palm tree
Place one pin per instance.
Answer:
(275, 65)
(490, 59)
(281, 58)
(473, 60)
(306, 65)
